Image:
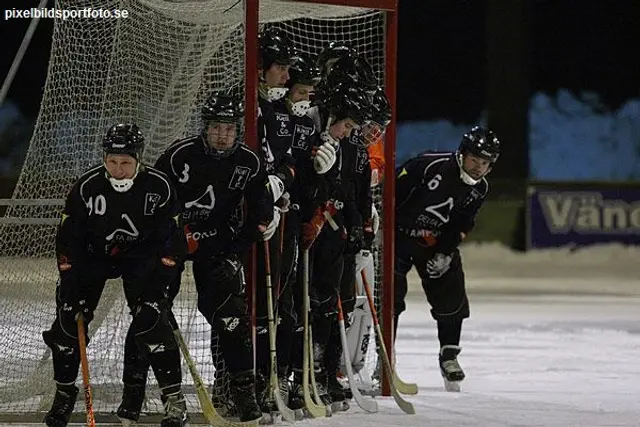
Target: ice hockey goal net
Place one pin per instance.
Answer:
(155, 68)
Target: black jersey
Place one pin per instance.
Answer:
(431, 199)
(276, 132)
(357, 170)
(211, 190)
(304, 139)
(98, 221)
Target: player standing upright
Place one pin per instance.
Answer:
(214, 173)
(275, 133)
(437, 198)
(121, 219)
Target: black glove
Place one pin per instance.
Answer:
(226, 267)
(168, 276)
(355, 240)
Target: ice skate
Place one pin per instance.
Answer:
(175, 409)
(129, 410)
(450, 369)
(337, 394)
(243, 386)
(62, 408)
(220, 395)
(270, 412)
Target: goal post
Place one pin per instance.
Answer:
(155, 67)
(389, 70)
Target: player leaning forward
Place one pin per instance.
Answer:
(121, 219)
(437, 198)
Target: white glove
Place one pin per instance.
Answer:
(273, 225)
(364, 258)
(438, 265)
(375, 219)
(325, 158)
(284, 202)
(276, 185)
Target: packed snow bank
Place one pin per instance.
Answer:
(606, 269)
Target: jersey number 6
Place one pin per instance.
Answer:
(435, 181)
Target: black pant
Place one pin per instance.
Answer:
(224, 306)
(145, 292)
(446, 294)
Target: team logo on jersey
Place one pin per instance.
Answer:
(441, 210)
(129, 233)
(361, 160)
(239, 178)
(206, 201)
(151, 203)
(300, 135)
(435, 215)
(283, 129)
(356, 138)
(268, 156)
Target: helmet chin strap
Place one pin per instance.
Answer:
(325, 136)
(464, 176)
(123, 185)
(299, 108)
(271, 94)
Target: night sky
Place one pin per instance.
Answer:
(579, 45)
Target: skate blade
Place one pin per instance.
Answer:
(453, 386)
(299, 414)
(268, 418)
(339, 406)
(127, 422)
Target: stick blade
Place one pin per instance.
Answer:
(404, 388)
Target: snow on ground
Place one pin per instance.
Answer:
(601, 269)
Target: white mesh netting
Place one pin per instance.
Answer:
(154, 68)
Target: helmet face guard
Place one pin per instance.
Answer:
(221, 109)
(481, 143)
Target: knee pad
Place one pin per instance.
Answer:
(231, 324)
(457, 314)
(64, 351)
(359, 333)
(151, 328)
(136, 364)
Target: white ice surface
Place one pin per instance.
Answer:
(552, 361)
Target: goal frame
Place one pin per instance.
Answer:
(390, 8)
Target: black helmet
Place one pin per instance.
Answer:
(124, 138)
(303, 71)
(381, 108)
(275, 48)
(333, 51)
(345, 101)
(480, 142)
(353, 71)
(222, 108)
